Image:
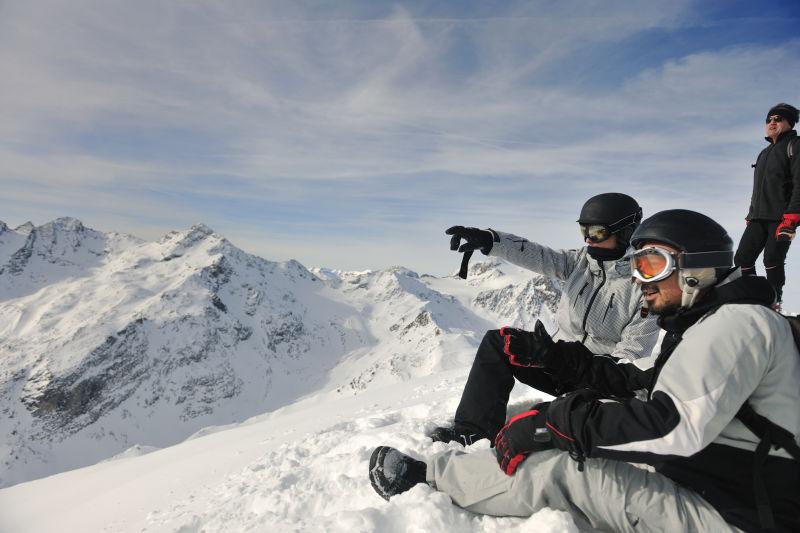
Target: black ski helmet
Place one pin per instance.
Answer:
(618, 211)
(707, 249)
(690, 232)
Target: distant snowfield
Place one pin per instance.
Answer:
(300, 468)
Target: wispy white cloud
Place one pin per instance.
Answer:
(352, 135)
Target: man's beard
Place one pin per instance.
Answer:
(659, 309)
(664, 310)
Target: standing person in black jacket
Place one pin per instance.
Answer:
(775, 204)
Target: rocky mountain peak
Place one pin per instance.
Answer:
(66, 224)
(490, 265)
(26, 228)
(200, 231)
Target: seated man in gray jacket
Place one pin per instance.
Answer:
(719, 422)
(599, 308)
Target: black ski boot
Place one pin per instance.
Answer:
(457, 434)
(392, 472)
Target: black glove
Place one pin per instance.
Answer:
(527, 348)
(476, 239)
(525, 433)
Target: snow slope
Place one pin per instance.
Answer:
(109, 344)
(300, 468)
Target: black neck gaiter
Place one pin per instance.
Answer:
(604, 254)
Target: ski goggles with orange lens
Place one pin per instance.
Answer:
(652, 264)
(595, 232)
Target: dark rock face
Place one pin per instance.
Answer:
(108, 376)
(20, 258)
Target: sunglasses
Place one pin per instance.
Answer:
(595, 232)
(775, 118)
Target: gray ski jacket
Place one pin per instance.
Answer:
(600, 305)
(729, 349)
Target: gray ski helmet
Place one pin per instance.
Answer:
(618, 211)
(707, 249)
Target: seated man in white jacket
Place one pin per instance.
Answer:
(599, 308)
(720, 421)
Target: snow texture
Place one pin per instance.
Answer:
(147, 360)
(300, 468)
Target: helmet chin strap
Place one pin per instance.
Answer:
(692, 282)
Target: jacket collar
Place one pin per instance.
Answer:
(735, 288)
(782, 136)
(621, 266)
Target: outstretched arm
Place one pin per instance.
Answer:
(552, 263)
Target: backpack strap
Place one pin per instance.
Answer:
(794, 324)
(772, 435)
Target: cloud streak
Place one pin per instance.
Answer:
(352, 135)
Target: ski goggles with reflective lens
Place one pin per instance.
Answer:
(653, 263)
(595, 232)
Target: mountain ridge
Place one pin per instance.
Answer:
(110, 342)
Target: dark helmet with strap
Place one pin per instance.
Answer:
(706, 248)
(619, 212)
(690, 232)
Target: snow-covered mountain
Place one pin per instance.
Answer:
(109, 343)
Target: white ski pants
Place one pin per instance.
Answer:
(609, 495)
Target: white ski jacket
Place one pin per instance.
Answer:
(600, 305)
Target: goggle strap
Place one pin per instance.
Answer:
(714, 259)
(624, 222)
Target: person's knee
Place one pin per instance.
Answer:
(744, 259)
(492, 343)
(775, 257)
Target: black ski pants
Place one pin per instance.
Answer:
(760, 235)
(485, 397)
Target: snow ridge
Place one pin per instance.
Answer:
(108, 342)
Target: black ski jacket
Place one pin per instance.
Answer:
(678, 413)
(776, 180)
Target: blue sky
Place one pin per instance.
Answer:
(351, 134)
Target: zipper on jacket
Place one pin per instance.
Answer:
(610, 305)
(580, 293)
(591, 301)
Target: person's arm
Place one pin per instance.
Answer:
(794, 167)
(791, 216)
(552, 263)
(639, 336)
(699, 390)
(572, 365)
